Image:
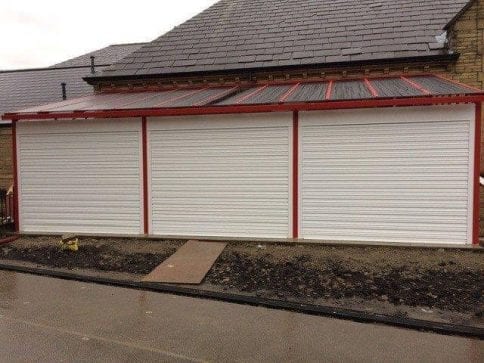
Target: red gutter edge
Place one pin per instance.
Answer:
(9, 240)
(416, 85)
(295, 174)
(144, 140)
(15, 177)
(219, 110)
(370, 87)
(289, 92)
(458, 83)
(329, 90)
(251, 94)
(477, 172)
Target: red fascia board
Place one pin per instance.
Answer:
(228, 109)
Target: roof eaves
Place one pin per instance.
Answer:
(459, 14)
(49, 68)
(102, 77)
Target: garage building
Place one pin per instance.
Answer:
(271, 119)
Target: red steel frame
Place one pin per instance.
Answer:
(215, 110)
(477, 171)
(144, 141)
(295, 175)
(295, 107)
(15, 177)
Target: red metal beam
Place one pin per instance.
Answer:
(370, 87)
(329, 90)
(215, 110)
(16, 194)
(251, 94)
(144, 140)
(210, 99)
(477, 171)
(289, 92)
(173, 99)
(416, 85)
(295, 175)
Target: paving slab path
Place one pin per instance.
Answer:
(44, 319)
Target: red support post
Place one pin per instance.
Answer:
(16, 195)
(477, 167)
(295, 175)
(144, 140)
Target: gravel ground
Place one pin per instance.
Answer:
(408, 281)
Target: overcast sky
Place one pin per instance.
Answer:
(39, 33)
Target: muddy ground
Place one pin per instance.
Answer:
(434, 284)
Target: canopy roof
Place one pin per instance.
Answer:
(390, 91)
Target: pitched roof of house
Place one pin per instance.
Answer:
(250, 34)
(104, 56)
(32, 87)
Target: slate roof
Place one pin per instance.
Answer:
(248, 34)
(104, 56)
(21, 89)
(32, 87)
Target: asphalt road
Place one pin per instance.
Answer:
(50, 320)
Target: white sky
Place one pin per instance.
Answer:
(39, 33)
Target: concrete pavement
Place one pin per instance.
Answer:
(45, 320)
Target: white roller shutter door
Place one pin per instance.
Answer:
(80, 176)
(392, 175)
(221, 175)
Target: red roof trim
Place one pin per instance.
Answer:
(289, 92)
(416, 85)
(329, 90)
(254, 93)
(216, 97)
(171, 100)
(370, 87)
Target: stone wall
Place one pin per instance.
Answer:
(466, 36)
(6, 173)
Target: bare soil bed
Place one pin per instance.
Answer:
(432, 284)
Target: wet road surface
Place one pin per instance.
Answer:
(45, 320)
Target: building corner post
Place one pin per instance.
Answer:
(477, 171)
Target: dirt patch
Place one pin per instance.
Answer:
(131, 256)
(306, 277)
(432, 284)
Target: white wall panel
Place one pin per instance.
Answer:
(221, 175)
(394, 174)
(80, 176)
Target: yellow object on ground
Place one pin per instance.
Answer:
(70, 245)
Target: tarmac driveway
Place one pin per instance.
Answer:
(44, 319)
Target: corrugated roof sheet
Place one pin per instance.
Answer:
(31, 87)
(327, 91)
(248, 34)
